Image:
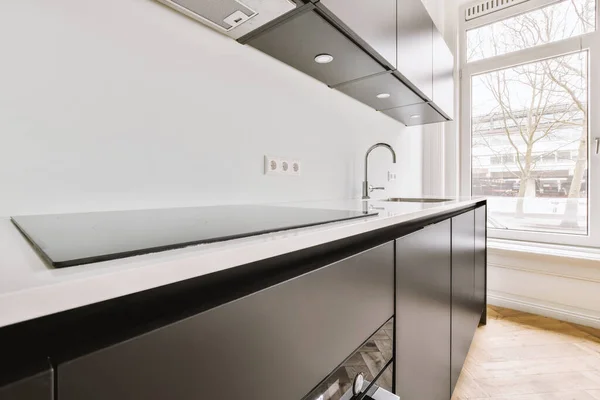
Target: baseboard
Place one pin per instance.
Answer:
(534, 306)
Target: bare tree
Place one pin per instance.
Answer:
(573, 81)
(569, 76)
(527, 123)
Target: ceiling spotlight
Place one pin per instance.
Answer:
(415, 116)
(383, 95)
(323, 58)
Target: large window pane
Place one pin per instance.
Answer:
(562, 20)
(530, 144)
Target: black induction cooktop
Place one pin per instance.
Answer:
(73, 239)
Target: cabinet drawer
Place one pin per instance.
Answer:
(278, 343)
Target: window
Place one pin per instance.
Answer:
(526, 126)
(562, 20)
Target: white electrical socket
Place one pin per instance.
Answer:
(286, 167)
(282, 166)
(272, 165)
(391, 176)
(296, 169)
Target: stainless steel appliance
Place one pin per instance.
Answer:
(367, 374)
(233, 18)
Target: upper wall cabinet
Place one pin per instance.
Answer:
(374, 22)
(385, 53)
(299, 39)
(415, 45)
(443, 75)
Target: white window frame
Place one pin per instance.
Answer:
(590, 42)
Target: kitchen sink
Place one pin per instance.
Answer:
(415, 200)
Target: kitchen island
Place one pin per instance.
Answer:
(269, 316)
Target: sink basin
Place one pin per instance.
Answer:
(415, 200)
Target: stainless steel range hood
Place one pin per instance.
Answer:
(233, 18)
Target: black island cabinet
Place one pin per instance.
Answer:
(36, 385)
(440, 301)
(399, 306)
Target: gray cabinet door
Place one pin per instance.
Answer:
(278, 343)
(372, 21)
(298, 40)
(463, 290)
(443, 75)
(481, 263)
(423, 307)
(36, 387)
(381, 92)
(415, 45)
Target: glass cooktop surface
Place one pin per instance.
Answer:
(72, 239)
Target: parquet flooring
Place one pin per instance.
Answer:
(520, 356)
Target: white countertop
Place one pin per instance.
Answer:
(30, 288)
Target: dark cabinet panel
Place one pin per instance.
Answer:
(36, 387)
(423, 313)
(443, 75)
(415, 45)
(481, 263)
(278, 343)
(298, 40)
(415, 114)
(373, 21)
(463, 288)
(381, 92)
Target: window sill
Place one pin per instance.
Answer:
(537, 250)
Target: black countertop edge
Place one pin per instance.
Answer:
(67, 335)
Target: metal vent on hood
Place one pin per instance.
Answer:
(234, 18)
(222, 14)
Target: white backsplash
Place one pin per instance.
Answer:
(120, 104)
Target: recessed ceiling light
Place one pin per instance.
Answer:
(323, 58)
(383, 95)
(415, 116)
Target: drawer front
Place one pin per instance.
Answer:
(278, 343)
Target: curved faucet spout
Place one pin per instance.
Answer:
(366, 187)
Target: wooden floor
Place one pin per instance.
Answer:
(521, 356)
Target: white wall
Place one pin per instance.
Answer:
(119, 104)
(436, 9)
(558, 283)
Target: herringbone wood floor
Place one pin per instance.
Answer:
(520, 356)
